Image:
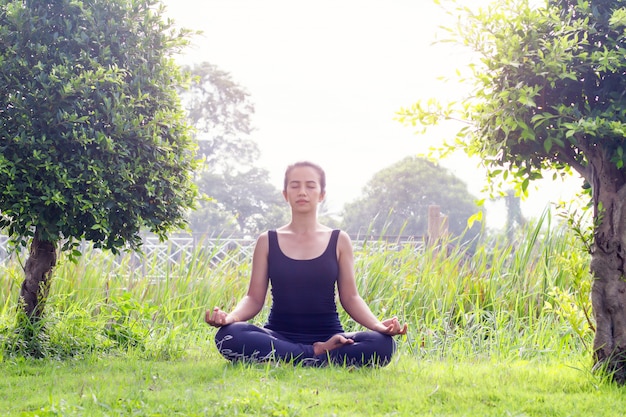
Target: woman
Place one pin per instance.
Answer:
(303, 261)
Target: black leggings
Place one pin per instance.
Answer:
(246, 342)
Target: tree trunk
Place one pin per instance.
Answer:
(608, 263)
(38, 272)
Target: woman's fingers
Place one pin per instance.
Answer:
(208, 316)
(394, 327)
(215, 317)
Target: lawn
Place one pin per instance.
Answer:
(208, 386)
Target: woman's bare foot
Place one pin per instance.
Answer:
(333, 343)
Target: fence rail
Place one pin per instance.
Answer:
(157, 258)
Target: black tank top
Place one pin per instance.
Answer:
(303, 293)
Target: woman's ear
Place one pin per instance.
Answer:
(285, 195)
(322, 196)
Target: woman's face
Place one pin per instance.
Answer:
(303, 190)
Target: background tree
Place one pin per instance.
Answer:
(240, 199)
(241, 204)
(220, 110)
(514, 216)
(395, 201)
(550, 93)
(325, 216)
(93, 141)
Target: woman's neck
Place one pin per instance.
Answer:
(303, 224)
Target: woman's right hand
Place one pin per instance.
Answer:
(218, 318)
(392, 327)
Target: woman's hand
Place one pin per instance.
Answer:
(218, 317)
(392, 327)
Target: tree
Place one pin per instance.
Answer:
(326, 216)
(220, 111)
(395, 201)
(94, 143)
(514, 216)
(241, 203)
(240, 200)
(549, 93)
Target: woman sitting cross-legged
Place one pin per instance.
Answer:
(304, 261)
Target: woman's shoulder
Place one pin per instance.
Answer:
(343, 239)
(263, 239)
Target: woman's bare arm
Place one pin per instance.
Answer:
(252, 303)
(350, 298)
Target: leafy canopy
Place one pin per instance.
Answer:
(93, 140)
(241, 204)
(396, 200)
(239, 198)
(549, 87)
(220, 111)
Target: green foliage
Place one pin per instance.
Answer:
(528, 298)
(129, 320)
(500, 297)
(94, 143)
(395, 201)
(220, 111)
(239, 200)
(548, 88)
(205, 386)
(240, 203)
(548, 93)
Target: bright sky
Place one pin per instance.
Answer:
(326, 78)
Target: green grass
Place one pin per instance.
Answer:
(499, 328)
(206, 386)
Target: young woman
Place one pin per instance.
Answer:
(304, 261)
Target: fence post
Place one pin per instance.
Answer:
(437, 224)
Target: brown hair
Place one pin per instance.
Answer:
(316, 167)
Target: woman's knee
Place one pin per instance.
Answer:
(382, 348)
(231, 333)
(376, 348)
(382, 342)
(388, 343)
(385, 347)
(233, 328)
(230, 340)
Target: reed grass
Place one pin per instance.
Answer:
(526, 298)
(523, 298)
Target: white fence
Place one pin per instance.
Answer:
(159, 258)
(162, 256)
(4, 251)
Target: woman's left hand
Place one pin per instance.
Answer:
(392, 327)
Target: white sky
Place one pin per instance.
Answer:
(326, 78)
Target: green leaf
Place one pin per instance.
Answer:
(547, 145)
(476, 217)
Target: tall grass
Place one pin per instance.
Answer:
(494, 299)
(525, 298)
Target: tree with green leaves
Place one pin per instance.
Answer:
(94, 143)
(239, 198)
(396, 200)
(549, 93)
(220, 111)
(241, 203)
